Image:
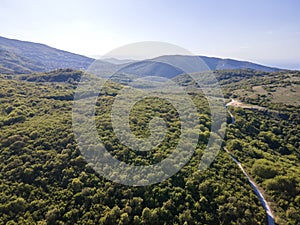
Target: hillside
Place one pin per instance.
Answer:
(26, 57)
(11, 63)
(200, 63)
(44, 178)
(150, 68)
(60, 75)
(265, 134)
(222, 64)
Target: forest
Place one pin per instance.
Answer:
(44, 178)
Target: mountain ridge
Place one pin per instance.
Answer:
(213, 63)
(24, 57)
(48, 58)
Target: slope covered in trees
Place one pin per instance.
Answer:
(44, 179)
(268, 146)
(266, 139)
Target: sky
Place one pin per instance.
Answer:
(261, 31)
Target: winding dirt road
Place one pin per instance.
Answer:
(254, 186)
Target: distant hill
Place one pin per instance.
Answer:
(170, 66)
(193, 63)
(118, 61)
(221, 64)
(22, 57)
(27, 57)
(151, 68)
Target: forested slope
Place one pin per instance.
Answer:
(45, 180)
(266, 139)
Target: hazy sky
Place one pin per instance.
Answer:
(263, 31)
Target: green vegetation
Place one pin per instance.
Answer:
(44, 179)
(267, 141)
(269, 148)
(59, 75)
(273, 90)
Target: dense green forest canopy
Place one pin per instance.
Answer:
(46, 180)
